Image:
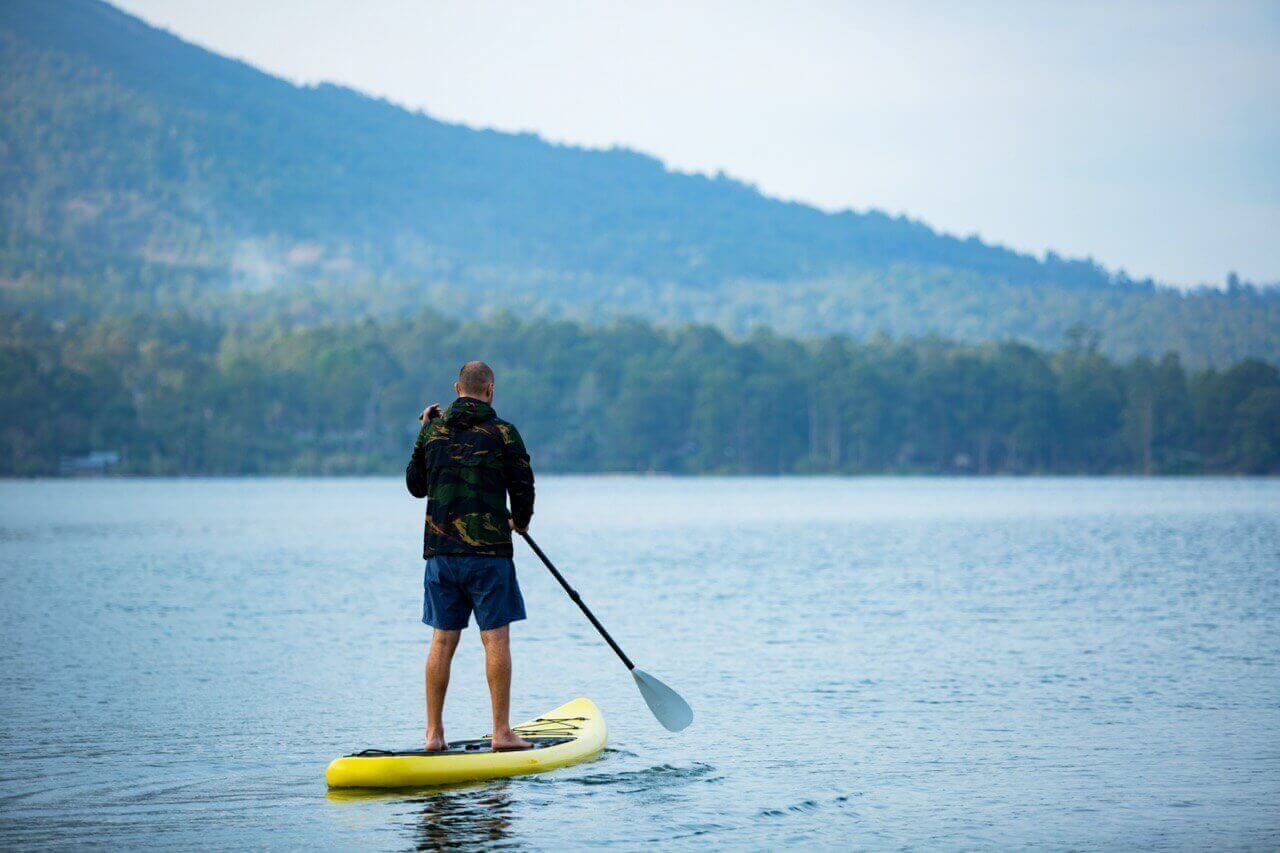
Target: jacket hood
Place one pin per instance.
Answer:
(466, 412)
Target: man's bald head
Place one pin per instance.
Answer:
(475, 379)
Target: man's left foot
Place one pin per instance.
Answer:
(510, 740)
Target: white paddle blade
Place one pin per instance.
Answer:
(673, 712)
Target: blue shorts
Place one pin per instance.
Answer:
(456, 584)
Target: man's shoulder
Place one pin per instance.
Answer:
(431, 432)
(507, 430)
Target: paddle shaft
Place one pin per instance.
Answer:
(577, 599)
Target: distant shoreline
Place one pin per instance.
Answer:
(657, 475)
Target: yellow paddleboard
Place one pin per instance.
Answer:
(571, 733)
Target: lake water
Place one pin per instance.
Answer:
(873, 663)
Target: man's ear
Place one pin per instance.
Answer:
(457, 389)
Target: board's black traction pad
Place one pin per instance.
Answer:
(478, 746)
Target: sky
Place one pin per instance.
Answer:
(1145, 135)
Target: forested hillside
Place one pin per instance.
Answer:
(139, 173)
(173, 395)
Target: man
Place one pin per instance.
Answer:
(466, 462)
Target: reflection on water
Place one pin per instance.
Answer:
(444, 816)
(465, 819)
(873, 663)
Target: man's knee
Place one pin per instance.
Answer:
(446, 640)
(496, 639)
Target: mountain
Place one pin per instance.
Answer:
(139, 172)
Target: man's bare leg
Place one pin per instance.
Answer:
(443, 645)
(497, 667)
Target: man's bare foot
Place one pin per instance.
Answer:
(436, 742)
(510, 740)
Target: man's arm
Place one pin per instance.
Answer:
(518, 474)
(415, 473)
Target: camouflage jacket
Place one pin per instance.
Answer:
(466, 463)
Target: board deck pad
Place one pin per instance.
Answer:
(466, 747)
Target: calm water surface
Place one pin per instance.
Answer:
(873, 663)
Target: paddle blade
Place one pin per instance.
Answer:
(673, 712)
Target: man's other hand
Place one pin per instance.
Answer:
(430, 413)
(512, 522)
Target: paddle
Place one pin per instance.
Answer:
(672, 711)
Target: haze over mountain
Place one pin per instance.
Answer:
(140, 172)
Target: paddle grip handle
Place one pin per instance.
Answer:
(577, 599)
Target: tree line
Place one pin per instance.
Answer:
(172, 394)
